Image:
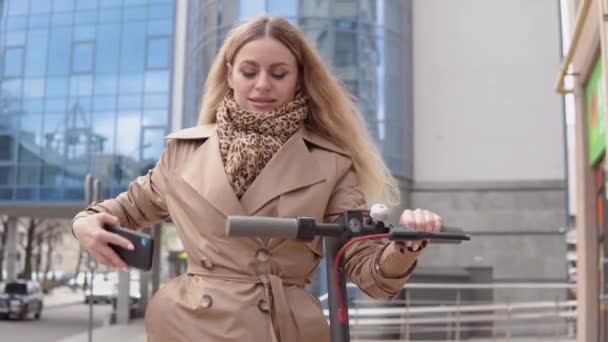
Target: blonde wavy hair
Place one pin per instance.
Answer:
(333, 113)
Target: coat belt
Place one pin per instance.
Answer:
(274, 287)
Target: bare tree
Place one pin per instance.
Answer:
(32, 226)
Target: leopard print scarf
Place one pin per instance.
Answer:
(249, 140)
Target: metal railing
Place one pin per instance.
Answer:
(460, 319)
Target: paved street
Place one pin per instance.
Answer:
(57, 323)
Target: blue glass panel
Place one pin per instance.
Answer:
(107, 52)
(160, 27)
(81, 85)
(135, 2)
(129, 129)
(85, 17)
(6, 193)
(15, 38)
(7, 145)
(30, 135)
(84, 33)
(35, 64)
(132, 14)
(251, 8)
(84, 103)
(285, 8)
(133, 48)
(53, 128)
(103, 103)
(86, 4)
(156, 101)
(82, 60)
(157, 81)
(131, 83)
(12, 88)
(55, 105)
(40, 21)
(158, 53)
(153, 144)
(17, 7)
(74, 193)
(50, 193)
(13, 62)
(129, 102)
(32, 105)
(16, 23)
(27, 193)
(110, 16)
(33, 87)
(161, 11)
(59, 49)
(103, 126)
(40, 6)
(110, 3)
(63, 5)
(56, 87)
(7, 175)
(28, 174)
(156, 117)
(106, 84)
(63, 19)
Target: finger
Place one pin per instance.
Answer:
(106, 218)
(420, 220)
(110, 255)
(438, 227)
(100, 258)
(115, 239)
(408, 220)
(429, 219)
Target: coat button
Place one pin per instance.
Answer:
(206, 263)
(262, 255)
(206, 301)
(263, 306)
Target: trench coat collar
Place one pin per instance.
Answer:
(292, 167)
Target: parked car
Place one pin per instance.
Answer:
(21, 298)
(103, 288)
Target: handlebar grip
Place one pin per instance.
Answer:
(253, 226)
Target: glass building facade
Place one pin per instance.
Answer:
(367, 44)
(85, 87)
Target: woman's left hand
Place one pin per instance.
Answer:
(423, 220)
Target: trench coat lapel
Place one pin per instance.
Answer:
(204, 172)
(291, 168)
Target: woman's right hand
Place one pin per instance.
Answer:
(90, 233)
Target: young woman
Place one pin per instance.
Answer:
(278, 136)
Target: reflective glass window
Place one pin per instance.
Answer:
(84, 33)
(157, 81)
(81, 85)
(40, 6)
(33, 87)
(6, 147)
(155, 117)
(129, 102)
(63, 5)
(158, 52)
(345, 53)
(35, 64)
(59, 51)
(14, 38)
(129, 124)
(107, 51)
(285, 8)
(108, 16)
(161, 11)
(56, 87)
(39, 21)
(12, 88)
(251, 8)
(16, 7)
(160, 27)
(110, 3)
(82, 58)
(13, 62)
(86, 4)
(103, 127)
(133, 48)
(55, 104)
(153, 143)
(132, 14)
(106, 84)
(16, 23)
(314, 8)
(63, 19)
(85, 17)
(104, 103)
(32, 105)
(135, 2)
(346, 8)
(154, 101)
(131, 83)
(7, 173)
(31, 131)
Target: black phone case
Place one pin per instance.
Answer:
(141, 256)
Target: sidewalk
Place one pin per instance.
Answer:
(132, 332)
(63, 296)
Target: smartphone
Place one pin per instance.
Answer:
(141, 256)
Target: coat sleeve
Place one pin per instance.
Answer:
(144, 201)
(377, 267)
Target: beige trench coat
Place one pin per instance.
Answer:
(250, 289)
